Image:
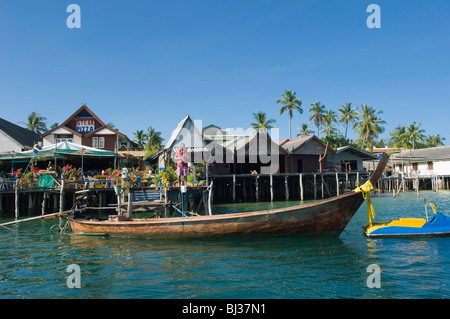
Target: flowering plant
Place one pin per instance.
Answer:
(17, 173)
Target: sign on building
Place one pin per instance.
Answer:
(84, 126)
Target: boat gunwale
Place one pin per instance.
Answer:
(171, 220)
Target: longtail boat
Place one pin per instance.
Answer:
(323, 217)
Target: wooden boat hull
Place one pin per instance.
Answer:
(325, 217)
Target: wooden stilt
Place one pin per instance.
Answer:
(271, 187)
(130, 206)
(315, 186)
(286, 187)
(301, 185)
(321, 178)
(257, 188)
(337, 184)
(16, 195)
(30, 203)
(234, 187)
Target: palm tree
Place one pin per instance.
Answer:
(111, 125)
(154, 139)
(140, 138)
(262, 124)
(435, 140)
(369, 126)
(329, 118)
(36, 123)
(316, 117)
(56, 124)
(304, 130)
(414, 134)
(289, 103)
(347, 115)
(397, 138)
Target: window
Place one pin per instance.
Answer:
(63, 138)
(430, 166)
(98, 142)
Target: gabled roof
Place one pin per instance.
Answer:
(22, 136)
(105, 130)
(85, 112)
(252, 145)
(356, 151)
(440, 153)
(294, 145)
(61, 129)
(186, 133)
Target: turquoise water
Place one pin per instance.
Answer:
(33, 262)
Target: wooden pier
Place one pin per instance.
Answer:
(223, 189)
(288, 186)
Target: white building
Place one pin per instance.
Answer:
(14, 138)
(434, 161)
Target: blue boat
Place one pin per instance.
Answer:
(437, 225)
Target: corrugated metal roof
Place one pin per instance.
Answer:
(440, 153)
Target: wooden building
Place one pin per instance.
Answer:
(349, 159)
(303, 154)
(85, 128)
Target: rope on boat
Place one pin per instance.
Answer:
(365, 190)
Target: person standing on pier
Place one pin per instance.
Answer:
(181, 157)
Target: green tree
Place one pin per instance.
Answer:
(111, 125)
(435, 140)
(36, 123)
(262, 124)
(336, 140)
(289, 103)
(368, 127)
(329, 118)
(414, 134)
(54, 125)
(398, 138)
(304, 130)
(154, 140)
(316, 117)
(140, 138)
(347, 115)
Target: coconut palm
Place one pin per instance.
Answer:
(140, 138)
(154, 139)
(304, 130)
(289, 103)
(262, 124)
(369, 125)
(36, 123)
(435, 140)
(347, 115)
(111, 125)
(398, 138)
(329, 118)
(414, 134)
(316, 117)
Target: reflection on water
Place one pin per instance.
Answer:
(33, 262)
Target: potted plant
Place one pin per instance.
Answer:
(117, 176)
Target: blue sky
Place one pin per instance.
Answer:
(150, 63)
